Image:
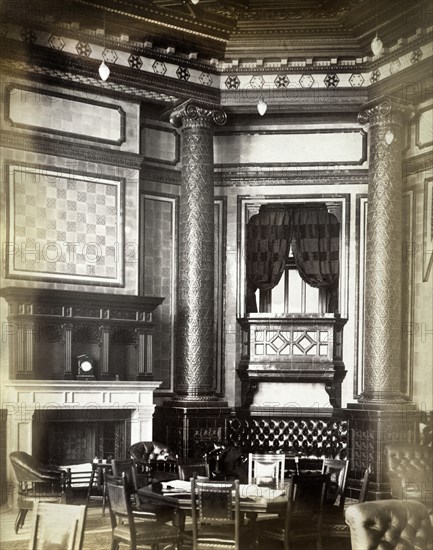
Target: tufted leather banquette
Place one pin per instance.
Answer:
(410, 470)
(389, 524)
(309, 436)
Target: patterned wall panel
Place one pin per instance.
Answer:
(51, 112)
(158, 261)
(64, 226)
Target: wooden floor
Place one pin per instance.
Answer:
(98, 528)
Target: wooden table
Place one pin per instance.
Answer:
(250, 503)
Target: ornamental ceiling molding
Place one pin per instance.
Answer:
(169, 82)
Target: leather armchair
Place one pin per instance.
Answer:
(36, 483)
(389, 524)
(410, 471)
(155, 459)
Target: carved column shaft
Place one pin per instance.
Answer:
(384, 253)
(194, 377)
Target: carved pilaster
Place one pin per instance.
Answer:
(67, 342)
(384, 249)
(144, 354)
(194, 376)
(104, 332)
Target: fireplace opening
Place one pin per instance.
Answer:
(66, 437)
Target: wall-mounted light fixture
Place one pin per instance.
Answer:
(262, 106)
(104, 71)
(376, 45)
(389, 137)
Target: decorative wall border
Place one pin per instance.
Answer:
(420, 163)
(360, 240)
(304, 74)
(239, 176)
(116, 250)
(408, 258)
(427, 262)
(59, 95)
(220, 204)
(78, 151)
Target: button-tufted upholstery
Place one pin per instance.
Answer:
(389, 524)
(314, 437)
(410, 470)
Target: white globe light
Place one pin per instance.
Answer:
(376, 45)
(262, 106)
(195, 2)
(389, 137)
(104, 71)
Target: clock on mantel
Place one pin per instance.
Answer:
(86, 369)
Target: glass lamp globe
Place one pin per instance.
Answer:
(104, 71)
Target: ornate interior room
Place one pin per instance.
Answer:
(217, 226)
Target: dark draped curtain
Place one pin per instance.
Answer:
(268, 238)
(314, 234)
(316, 250)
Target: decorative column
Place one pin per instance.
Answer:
(194, 377)
(383, 415)
(384, 253)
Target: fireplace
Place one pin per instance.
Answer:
(72, 422)
(73, 437)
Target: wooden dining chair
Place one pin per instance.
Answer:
(266, 470)
(58, 526)
(303, 517)
(337, 470)
(216, 515)
(192, 468)
(134, 480)
(333, 522)
(125, 530)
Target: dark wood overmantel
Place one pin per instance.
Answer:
(48, 328)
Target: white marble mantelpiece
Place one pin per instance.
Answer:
(22, 398)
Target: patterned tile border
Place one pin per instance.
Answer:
(302, 74)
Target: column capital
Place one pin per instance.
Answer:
(383, 111)
(193, 114)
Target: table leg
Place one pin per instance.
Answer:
(252, 524)
(89, 490)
